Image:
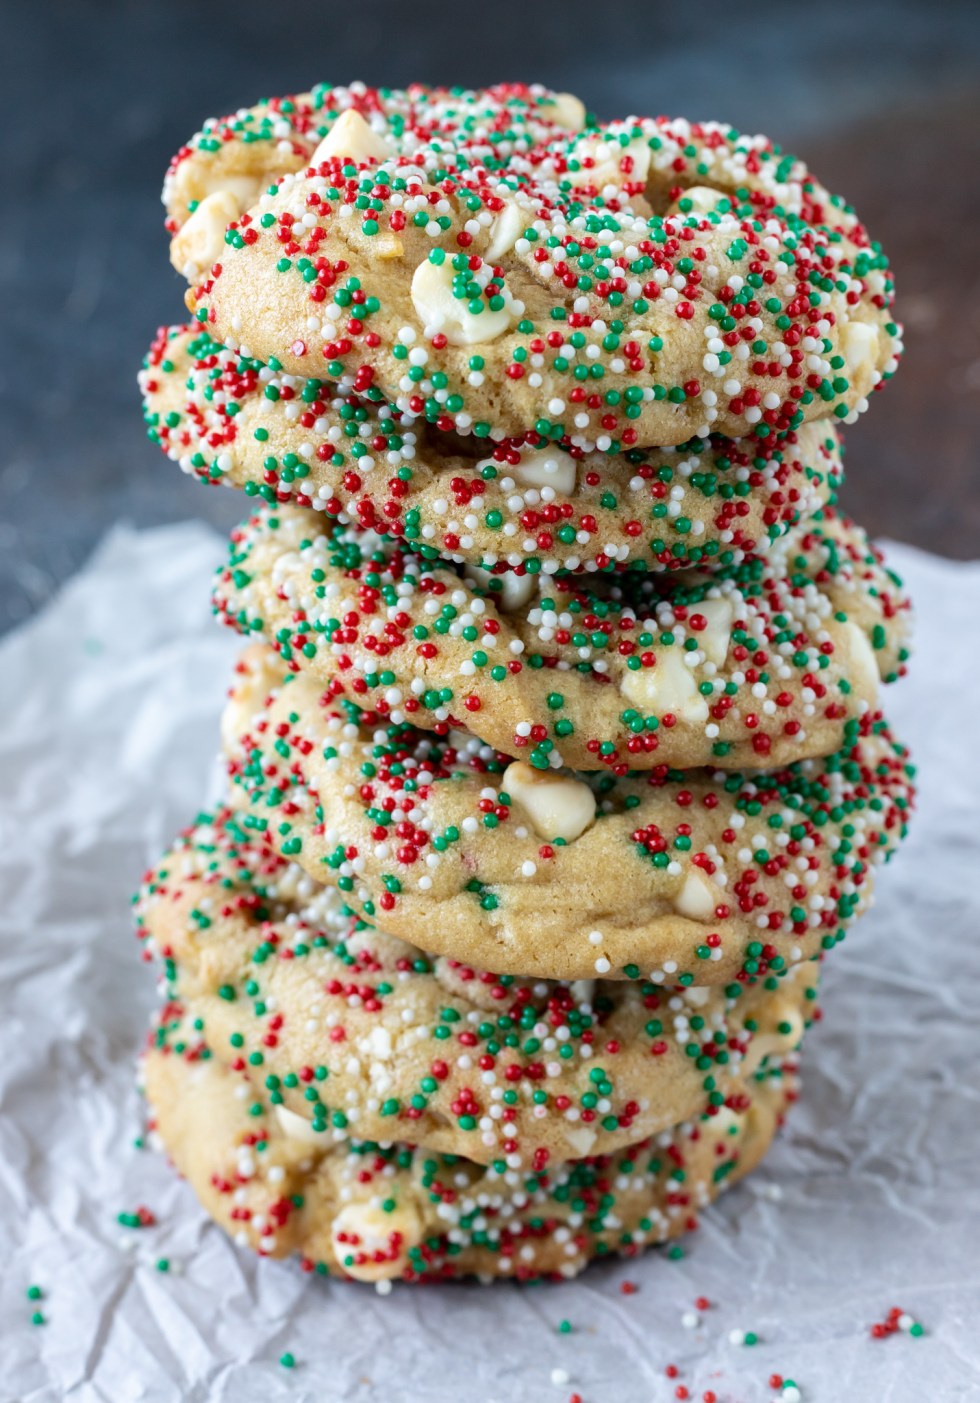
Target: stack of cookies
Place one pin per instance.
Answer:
(554, 755)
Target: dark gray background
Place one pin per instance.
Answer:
(883, 100)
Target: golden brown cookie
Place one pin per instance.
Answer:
(586, 287)
(761, 663)
(692, 876)
(527, 503)
(225, 167)
(375, 1212)
(361, 1034)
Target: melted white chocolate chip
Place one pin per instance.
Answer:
(513, 591)
(191, 185)
(201, 241)
(505, 230)
(702, 197)
(716, 637)
(863, 665)
(369, 1229)
(859, 343)
(546, 467)
(557, 805)
(245, 188)
(668, 686)
(697, 897)
(581, 1139)
(565, 110)
(773, 1044)
(440, 311)
(297, 1127)
(245, 697)
(583, 990)
(351, 136)
(608, 158)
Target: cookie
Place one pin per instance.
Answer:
(225, 167)
(526, 502)
(641, 283)
(373, 1212)
(693, 876)
(361, 1034)
(761, 663)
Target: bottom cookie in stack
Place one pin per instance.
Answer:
(302, 1057)
(375, 1212)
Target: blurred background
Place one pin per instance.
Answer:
(881, 99)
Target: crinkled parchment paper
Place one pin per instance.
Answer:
(110, 700)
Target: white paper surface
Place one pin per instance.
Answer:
(110, 700)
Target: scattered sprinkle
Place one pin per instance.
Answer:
(895, 1321)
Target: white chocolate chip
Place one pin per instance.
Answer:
(245, 188)
(702, 197)
(581, 1140)
(546, 467)
(298, 1127)
(190, 184)
(565, 110)
(513, 591)
(373, 1229)
(723, 1122)
(245, 698)
(505, 230)
(608, 157)
(557, 805)
(768, 1044)
(439, 310)
(863, 665)
(351, 136)
(859, 343)
(583, 990)
(201, 241)
(697, 897)
(714, 640)
(668, 686)
(697, 995)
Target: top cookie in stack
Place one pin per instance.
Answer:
(469, 258)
